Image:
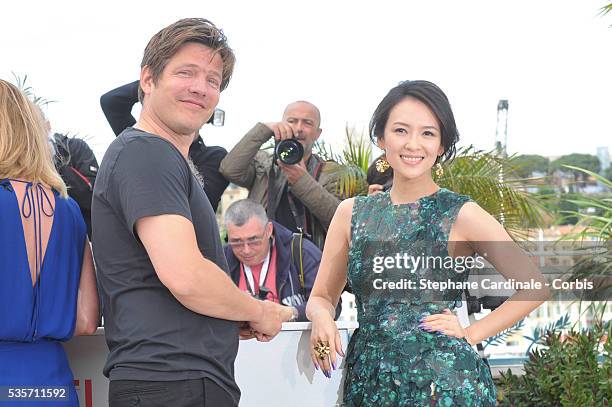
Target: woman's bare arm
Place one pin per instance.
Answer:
(88, 305)
(486, 235)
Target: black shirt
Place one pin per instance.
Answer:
(151, 336)
(284, 216)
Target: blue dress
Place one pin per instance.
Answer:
(35, 319)
(390, 361)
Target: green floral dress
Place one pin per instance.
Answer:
(390, 360)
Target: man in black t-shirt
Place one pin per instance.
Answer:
(117, 107)
(171, 311)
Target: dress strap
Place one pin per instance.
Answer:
(36, 204)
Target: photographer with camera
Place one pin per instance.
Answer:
(298, 192)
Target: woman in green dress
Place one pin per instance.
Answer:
(410, 349)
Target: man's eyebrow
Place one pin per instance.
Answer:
(196, 66)
(248, 238)
(188, 66)
(299, 118)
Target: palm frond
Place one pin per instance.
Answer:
(598, 177)
(599, 225)
(351, 180)
(353, 162)
(358, 149)
(21, 83)
(503, 336)
(487, 179)
(538, 335)
(325, 151)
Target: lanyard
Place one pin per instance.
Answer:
(248, 274)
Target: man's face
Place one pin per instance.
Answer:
(187, 91)
(250, 242)
(304, 120)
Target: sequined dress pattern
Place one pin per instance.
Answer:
(390, 360)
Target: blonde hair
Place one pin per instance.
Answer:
(24, 148)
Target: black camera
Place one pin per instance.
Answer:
(289, 151)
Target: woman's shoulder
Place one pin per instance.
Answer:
(448, 199)
(379, 198)
(75, 216)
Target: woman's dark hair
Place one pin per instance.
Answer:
(376, 177)
(433, 97)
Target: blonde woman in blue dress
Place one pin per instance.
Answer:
(47, 280)
(410, 349)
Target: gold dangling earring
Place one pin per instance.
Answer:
(439, 170)
(382, 164)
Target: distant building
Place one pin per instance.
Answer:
(233, 193)
(604, 157)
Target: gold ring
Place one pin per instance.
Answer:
(322, 350)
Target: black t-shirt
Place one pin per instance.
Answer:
(207, 160)
(283, 215)
(151, 336)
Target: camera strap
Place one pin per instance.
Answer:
(248, 274)
(296, 255)
(301, 214)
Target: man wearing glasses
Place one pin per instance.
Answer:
(268, 260)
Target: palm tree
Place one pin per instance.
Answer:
(22, 85)
(593, 235)
(490, 180)
(485, 177)
(354, 161)
(605, 10)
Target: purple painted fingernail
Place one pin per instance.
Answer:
(334, 366)
(315, 365)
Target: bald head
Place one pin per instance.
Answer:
(305, 120)
(305, 107)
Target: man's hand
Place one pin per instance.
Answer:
(269, 324)
(245, 332)
(293, 172)
(281, 130)
(375, 189)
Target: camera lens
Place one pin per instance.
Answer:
(289, 151)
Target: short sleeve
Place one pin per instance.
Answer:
(150, 178)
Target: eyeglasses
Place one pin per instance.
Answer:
(251, 242)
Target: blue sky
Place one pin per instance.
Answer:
(550, 59)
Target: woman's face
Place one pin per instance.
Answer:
(412, 139)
